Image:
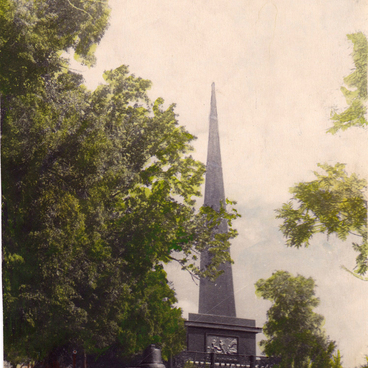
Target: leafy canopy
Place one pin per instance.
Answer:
(293, 329)
(98, 194)
(335, 203)
(356, 97)
(337, 360)
(33, 34)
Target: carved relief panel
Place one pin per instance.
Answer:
(222, 344)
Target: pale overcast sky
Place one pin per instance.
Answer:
(278, 68)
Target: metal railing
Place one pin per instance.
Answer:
(213, 360)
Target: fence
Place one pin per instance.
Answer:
(213, 360)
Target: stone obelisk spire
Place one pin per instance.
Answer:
(216, 297)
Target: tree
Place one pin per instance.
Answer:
(355, 114)
(335, 203)
(292, 329)
(98, 194)
(336, 360)
(34, 33)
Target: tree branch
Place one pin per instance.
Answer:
(354, 274)
(75, 7)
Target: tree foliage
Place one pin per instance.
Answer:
(293, 329)
(34, 33)
(336, 360)
(334, 203)
(356, 97)
(98, 194)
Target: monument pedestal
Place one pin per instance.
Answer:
(221, 334)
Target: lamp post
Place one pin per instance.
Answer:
(74, 358)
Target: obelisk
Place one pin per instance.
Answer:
(215, 328)
(215, 297)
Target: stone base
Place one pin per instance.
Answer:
(221, 334)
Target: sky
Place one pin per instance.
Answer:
(278, 67)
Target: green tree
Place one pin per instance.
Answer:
(293, 329)
(98, 194)
(335, 203)
(34, 33)
(355, 114)
(336, 360)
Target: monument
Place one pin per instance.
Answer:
(216, 328)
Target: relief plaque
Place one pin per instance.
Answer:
(222, 344)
